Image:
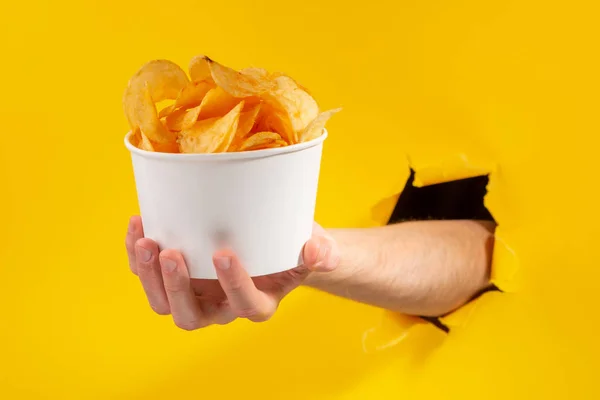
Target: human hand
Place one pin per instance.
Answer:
(197, 303)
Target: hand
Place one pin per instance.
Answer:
(197, 303)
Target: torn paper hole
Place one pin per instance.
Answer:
(504, 261)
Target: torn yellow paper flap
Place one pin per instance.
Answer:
(382, 211)
(461, 316)
(454, 168)
(505, 265)
(392, 330)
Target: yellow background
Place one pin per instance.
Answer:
(509, 87)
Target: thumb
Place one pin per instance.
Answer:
(321, 254)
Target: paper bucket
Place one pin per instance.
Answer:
(259, 203)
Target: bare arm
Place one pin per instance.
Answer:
(423, 268)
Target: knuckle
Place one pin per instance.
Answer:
(261, 317)
(236, 285)
(188, 324)
(160, 309)
(174, 285)
(254, 314)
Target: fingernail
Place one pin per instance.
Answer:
(223, 262)
(144, 254)
(168, 265)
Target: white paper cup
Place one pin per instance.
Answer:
(259, 203)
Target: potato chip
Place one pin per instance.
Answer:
(217, 103)
(269, 145)
(279, 143)
(237, 83)
(245, 124)
(293, 106)
(251, 102)
(142, 114)
(135, 138)
(256, 73)
(166, 111)
(142, 142)
(199, 69)
(182, 119)
(259, 139)
(145, 143)
(192, 95)
(211, 135)
(155, 81)
(164, 78)
(247, 120)
(218, 109)
(271, 119)
(276, 75)
(170, 147)
(316, 127)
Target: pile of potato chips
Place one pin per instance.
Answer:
(217, 109)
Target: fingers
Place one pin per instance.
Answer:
(245, 300)
(321, 254)
(148, 270)
(134, 233)
(185, 307)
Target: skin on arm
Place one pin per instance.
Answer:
(426, 268)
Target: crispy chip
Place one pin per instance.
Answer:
(315, 128)
(256, 73)
(192, 95)
(142, 114)
(166, 111)
(276, 75)
(271, 119)
(292, 106)
(259, 139)
(199, 70)
(142, 142)
(211, 135)
(164, 78)
(135, 138)
(145, 143)
(245, 124)
(155, 81)
(182, 119)
(217, 103)
(237, 83)
(218, 109)
(251, 102)
(170, 147)
(269, 145)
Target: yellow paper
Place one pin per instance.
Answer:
(510, 85)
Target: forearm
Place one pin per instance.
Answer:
(423, 268)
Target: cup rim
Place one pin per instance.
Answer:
(241, 155)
